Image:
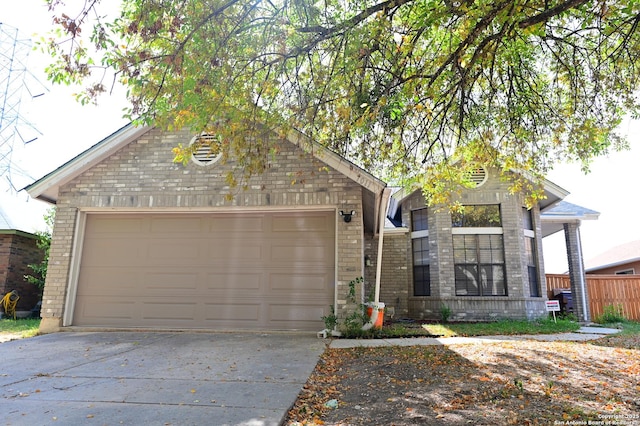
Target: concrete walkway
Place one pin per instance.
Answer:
(583, 334)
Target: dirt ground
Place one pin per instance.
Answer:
(507, 383)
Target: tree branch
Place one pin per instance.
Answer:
(550, 13)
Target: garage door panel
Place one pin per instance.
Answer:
(235, 250)
(236, 225)
(132, 282)
(282, 314)
(171, 281)
(299, 252)
(233, 282)
(116, 225)
(233, 311)
(107, 280)
(112, 252)
(168, 310)
(251, 271)
(301, 222)
(104, 310)
(177, 225)
(176, 251)
(300, 281)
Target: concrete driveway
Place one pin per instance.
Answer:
(134, 378)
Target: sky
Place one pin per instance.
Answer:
(65, 129)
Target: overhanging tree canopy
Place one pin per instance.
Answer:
(406, 88)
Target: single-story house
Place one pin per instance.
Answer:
(18, 249)
(619, 260)
(141, 241)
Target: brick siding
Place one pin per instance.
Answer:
(142, 176)
(17, 251)
(397, 278)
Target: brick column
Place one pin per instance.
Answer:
(576, 271)
(55, 290)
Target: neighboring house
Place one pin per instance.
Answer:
(621, 260)
(18, 249)
(140, 241)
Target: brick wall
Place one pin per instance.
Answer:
(394, 281)
(143, 177)
(518, 303)
(17, 251)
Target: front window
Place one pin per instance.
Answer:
(478, 251)
(530, 253)
(527, 219)
(479, 265)
(420, 249)
(481, 216)
(532, 269)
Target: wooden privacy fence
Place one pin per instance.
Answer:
(604, 290)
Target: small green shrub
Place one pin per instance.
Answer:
(331, 320)
(445, 313)
(611, 314)
(353, 323)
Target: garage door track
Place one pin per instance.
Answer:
(133, 378)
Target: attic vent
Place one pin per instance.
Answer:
(478, 176)
(208, 151)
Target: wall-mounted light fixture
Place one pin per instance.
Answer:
(346, 216)
(367, 260)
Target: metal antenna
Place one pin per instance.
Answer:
(14, 52)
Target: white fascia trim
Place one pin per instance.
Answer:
(554, 189)
(46, 188)
(560, 218)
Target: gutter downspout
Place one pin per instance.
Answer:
(384, 208)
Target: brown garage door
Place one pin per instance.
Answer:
(245, 271)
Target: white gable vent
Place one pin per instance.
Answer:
(478, 176)
(205, 155)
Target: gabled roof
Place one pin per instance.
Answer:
(619, 255)
(47, 188)
(553, 194)
(554, 217)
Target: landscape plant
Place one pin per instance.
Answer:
(611, 314)
(43, 242)
(419, 92)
